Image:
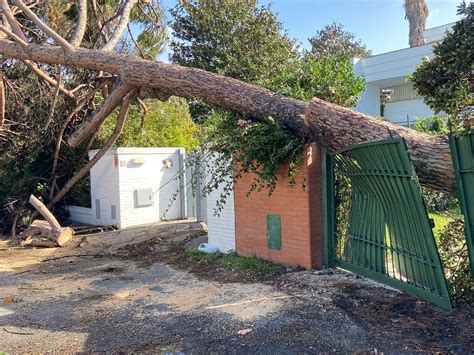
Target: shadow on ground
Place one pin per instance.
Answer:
(134, 291)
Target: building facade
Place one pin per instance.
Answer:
(389, 72)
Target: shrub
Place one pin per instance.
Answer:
(453, 252)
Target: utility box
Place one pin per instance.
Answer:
(135, 186)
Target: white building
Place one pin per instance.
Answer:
(135, 186)
(390, 71)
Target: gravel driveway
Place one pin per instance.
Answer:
(126, 291)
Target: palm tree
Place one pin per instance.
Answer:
(416, 12)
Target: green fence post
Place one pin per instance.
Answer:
(329, 211)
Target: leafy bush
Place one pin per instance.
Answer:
(453, 252)
(432, 125)
(167, 124)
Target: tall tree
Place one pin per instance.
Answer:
(416, 12)
(235, 38)
(334, 40)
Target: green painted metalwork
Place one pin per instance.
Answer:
(274, 231)
(329, 210)
(462, 149)
(388, 236)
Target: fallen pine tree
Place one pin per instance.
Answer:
(135, 78)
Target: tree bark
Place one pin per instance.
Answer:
(328, 124)
(43, 210)
(2, 100)
(86, 168)
(100, 115)
(81, 23)
(121, 26)
(337, 127)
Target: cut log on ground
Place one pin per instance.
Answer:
(333, 126)
(47, 233)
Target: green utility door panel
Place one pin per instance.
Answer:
(387, 235)
(462, 149)
(274, 231)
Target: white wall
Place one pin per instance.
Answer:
(104, 189)
(369, 102)
(391, 68)
(116, 177)
(153, 174)
(221, 228)
(436, 34)
(80, 214)
(397, 112)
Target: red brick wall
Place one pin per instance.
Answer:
(300, 211)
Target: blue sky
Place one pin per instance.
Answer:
(380, 24)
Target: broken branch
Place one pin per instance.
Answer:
(121, 26)
(99, 116)
(118, 130)
(45, 28)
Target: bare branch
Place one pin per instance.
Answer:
(48, 79)
(100, 25)
(2, 101)
(127, 8)
(55, 100)
(142, 53)
(81, 24)
(102, 112)
(13, 36)
(7, 13)
(86, 168)
(74, 111)
(45, 28)
(19, 37)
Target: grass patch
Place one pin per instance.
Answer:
(249, 265)
(441, 220)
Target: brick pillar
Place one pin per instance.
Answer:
(298, 208)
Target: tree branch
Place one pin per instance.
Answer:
(19, 36)
(55, 100)
(81, 24)
(256, 102)
(99, 116)
(86, 168)
(45, 28)
(2, 101)
(13, 36)
(7, 13)
(121, 26)
(71, 114)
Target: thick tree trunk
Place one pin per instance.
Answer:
(337, 127)
(331, 125)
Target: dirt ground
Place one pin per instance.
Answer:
(135, 291)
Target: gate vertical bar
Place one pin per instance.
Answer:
(462, 152)
(329, 210)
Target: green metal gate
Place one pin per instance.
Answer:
(388, 236)
(462, 149)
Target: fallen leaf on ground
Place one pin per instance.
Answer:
(7, 300)
(244, 331)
